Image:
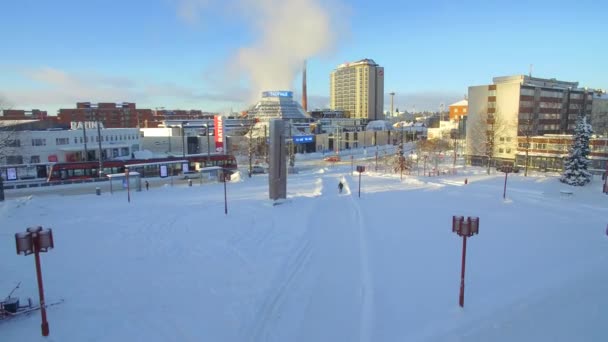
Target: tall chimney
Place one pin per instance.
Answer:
(304, 96)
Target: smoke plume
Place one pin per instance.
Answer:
(286, 32)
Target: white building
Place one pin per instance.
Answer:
(30, 147)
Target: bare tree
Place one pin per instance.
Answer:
(433, 148)
(526, 130)
(485, 134)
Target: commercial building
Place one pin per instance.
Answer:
(31, 149)
(518, 107)
(358, 88)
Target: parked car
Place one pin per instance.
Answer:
(257, 169)
(332, 159)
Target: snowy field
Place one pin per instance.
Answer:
(171, 266)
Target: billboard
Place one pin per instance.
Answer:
(163, 171)
(218, 122)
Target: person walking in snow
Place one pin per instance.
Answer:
(340, 186)
(147, 185)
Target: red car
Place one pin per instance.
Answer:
(332, 159)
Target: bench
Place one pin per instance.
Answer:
(565, 193)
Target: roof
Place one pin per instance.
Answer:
(460, 103)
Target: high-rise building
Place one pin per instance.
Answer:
(358, 88)
(503, 116)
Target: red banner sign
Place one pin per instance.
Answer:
(219, 132)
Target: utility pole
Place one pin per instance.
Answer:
(99, 140)
(183, 140)
(250, 150)
(392, 94)
(84, 133)
(208, 145)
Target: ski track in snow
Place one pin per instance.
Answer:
(325, 294)
(367, 293)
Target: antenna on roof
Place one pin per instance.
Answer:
(530, 70)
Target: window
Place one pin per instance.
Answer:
(508, 150)
(62, 141)
(35, 159)
(527, 91)
(500, 150)
(76, 140)
(526, 104)
(13, 143)
(38, 142)
(12, 160)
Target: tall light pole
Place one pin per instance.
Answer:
(206, 125)
(99, 141)
(84, 134)
(183, 140)
(392, 97)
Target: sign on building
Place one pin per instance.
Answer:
(303, 139)
(75, 125)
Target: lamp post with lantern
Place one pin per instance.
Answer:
(465, 228)
(33, 241)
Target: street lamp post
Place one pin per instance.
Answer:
(465, 228)
(183, 140)
(36, 240)
(208, 145)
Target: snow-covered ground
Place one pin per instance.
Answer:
(323, 266)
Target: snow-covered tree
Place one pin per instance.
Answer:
(575, 165)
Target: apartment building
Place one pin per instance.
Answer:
(112, 115)
(458, 110)
(358, 89)
(520, 106)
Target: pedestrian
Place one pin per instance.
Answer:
(340, 186)
(147, 185)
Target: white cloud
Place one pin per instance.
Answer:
(54, 88)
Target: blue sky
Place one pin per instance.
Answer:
(181, 53)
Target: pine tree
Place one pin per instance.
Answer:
(575, 165)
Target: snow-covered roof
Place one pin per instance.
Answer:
(379, 125)
(460, 103)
